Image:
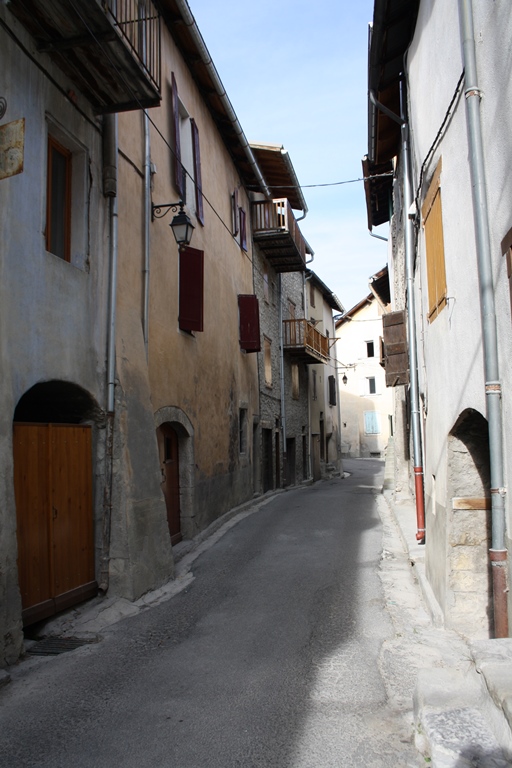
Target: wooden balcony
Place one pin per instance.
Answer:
(110, 49)
(301, 338)
(278, 235)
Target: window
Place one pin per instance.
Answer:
(58, 200)
(234, 212)
(291, 310)
(191, 286)
(295, 381)
(372, 389)
(197, 171)
(243, 229)
(67, 200)
(179, 178)
(186, 153)
(267, 347)
(371, 423)
(314, 393)
(242, 430)
(332, 390)
(370, 349)
(265, 284)
(433, 226)
(249, 317)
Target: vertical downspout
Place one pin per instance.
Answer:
(498, 551)
(147, 219)
(308, 436)
(411, 311)
(147, 193)
(110, 151)
(411, 323)
(281, 371)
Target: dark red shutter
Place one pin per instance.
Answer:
(191, 289)
(249, 323)
(332, 390)
(234, 203)
(243, 229)
(197, 171)
(178, 168)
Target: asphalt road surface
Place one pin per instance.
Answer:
(270, 657)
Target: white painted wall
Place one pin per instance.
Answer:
(451, 368)
(360, 410)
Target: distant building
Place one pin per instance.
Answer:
(366, 405)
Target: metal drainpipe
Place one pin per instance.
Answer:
(308, 436)
(147, 219)
(281, 367)
(110, 151)
(498, 551)
(189, 21)
(147, 198)
(411, 311)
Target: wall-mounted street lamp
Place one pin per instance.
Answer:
(344, 379)
(181, 225)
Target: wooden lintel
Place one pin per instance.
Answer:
(473, 503)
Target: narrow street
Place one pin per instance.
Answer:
(271, 656)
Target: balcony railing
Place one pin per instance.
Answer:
(138, 24)
(278, 235)
(110, 49)
(301, 338)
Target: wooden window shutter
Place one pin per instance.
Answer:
(434, 243)
(396, 360)
(191, 289)
(178, 167)
(332, 390)
(243, 229)
(249, 314)
(235, 211)
(197, 171)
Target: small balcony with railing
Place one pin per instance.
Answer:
(278, 235)
(110, 49)
(305, 342)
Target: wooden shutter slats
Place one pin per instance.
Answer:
(249, 317)
(396, 359)
(434, 245)
(191, 301)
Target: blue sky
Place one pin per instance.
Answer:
(296, 74)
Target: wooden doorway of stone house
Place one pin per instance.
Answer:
(168, 449)
(52, 468)
(267, 460)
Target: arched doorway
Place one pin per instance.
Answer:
(168, 449)
(52, 457)
(469, 580)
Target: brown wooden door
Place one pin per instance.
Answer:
(53, 491)
(168, 446)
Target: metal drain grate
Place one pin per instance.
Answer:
(52, 646)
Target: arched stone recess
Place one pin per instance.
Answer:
(181, 423)
(469, 588)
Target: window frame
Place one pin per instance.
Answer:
(54, 146)
(267, 360)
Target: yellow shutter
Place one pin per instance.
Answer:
(434, 243)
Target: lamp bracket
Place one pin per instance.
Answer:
(162, 209)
